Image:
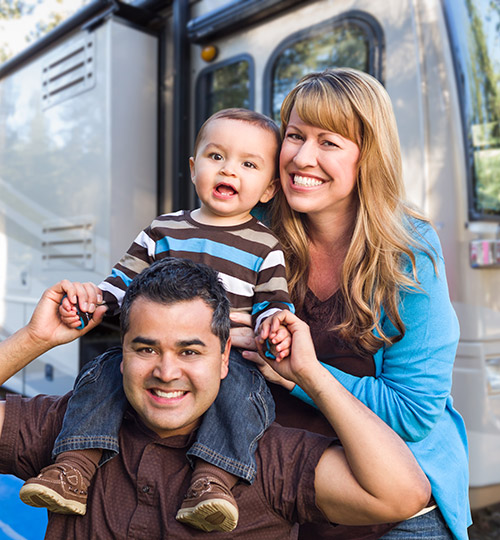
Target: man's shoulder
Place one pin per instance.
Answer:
(30, 428)
(42, 403)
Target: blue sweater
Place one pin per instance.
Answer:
(411, 389)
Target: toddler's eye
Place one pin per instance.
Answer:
(249, 164)
(215, 156)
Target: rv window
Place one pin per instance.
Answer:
(345, 42)
(228, 84)
(475, 32)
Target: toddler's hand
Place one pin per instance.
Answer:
(276, 337)
(68, 314)
(79, 303)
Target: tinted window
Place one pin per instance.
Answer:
(223, 86)
(475, 33)
(341, 42)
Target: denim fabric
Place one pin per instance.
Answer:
(231, 428)
(430, 526)
(95, 410)
(227, 436)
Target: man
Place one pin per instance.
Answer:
(175, 328)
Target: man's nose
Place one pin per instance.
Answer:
(168, 368)
(306, 155)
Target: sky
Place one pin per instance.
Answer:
(13, 32)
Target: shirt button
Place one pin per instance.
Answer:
(145, 489)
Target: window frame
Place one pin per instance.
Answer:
(461, 81)
(365, 21)
(201, 109)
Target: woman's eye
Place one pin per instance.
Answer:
(330, 143)
(294, 136)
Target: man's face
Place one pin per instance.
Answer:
(172, 364)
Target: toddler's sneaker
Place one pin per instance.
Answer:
(209, 505)
(60, 488)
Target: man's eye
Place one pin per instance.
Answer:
(190, 352)
(146, 350)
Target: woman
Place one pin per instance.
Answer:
(366, 273)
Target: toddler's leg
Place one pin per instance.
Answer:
(225, 447)
(209, 504)
(89, 437)
(62, 487)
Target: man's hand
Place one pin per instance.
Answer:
(46, 325)
(79, 304)
(44, 331)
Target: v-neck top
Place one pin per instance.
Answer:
(321, 315)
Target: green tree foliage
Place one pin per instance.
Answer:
(16, 9)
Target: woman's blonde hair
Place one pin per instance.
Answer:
(355, 105)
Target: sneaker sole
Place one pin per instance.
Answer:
(213, 515)
(44, 497)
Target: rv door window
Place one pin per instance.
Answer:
(228, 84)
(346, 41)
(474, 27)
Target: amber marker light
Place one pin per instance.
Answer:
(209, 53)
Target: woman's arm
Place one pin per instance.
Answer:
(373, 477)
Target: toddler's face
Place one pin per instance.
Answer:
(233, 170)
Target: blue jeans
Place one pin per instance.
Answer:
(226, 438)
(430, 526)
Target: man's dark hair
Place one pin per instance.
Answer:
(170, 280)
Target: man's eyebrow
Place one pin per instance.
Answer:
(145, 340)
(190, 343)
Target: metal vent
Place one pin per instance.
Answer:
(70, 71)
(68, 245)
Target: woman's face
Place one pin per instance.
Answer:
(318, 169)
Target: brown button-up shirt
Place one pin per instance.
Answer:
(137, 494)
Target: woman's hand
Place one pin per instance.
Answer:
(302, 365)
(244, 338)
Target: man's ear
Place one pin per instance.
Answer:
(270, 191)
(224, 368)
(191, 168)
